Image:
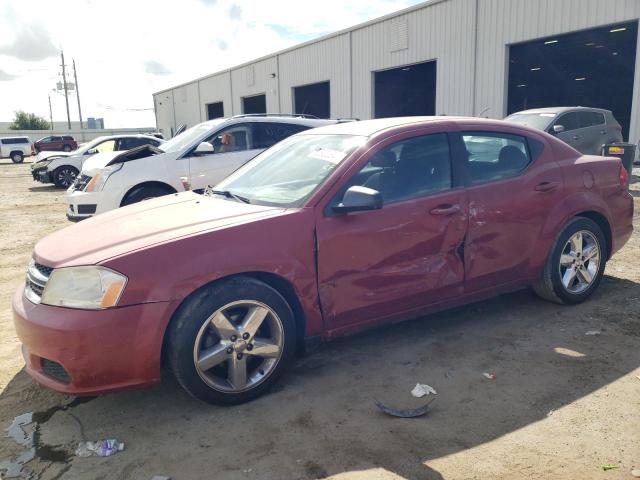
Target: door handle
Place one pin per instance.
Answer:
(546, 186)
(603, 132)
(445, 210)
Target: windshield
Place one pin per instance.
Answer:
(535, 120)
(186, 138)
(289, 172)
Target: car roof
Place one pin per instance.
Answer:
(556, 110)
(312, 122)
(368, 128)
(12, 138)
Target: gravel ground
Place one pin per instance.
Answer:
(562, 403)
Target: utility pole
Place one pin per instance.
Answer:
(64, 82)
(75, 78)
(50, 113)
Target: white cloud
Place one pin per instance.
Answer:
(125, 50)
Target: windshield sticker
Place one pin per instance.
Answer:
(332, 156)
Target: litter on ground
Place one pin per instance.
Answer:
(102, 448)
(422, 389)
(404, 413)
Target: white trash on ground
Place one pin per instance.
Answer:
(102, 448)
(422, 389)
(593, 332)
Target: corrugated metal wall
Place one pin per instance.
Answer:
(327, 60)
(468, 39)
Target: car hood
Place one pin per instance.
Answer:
(48, 154)
(98, 162)
(142, 225)
(101, 160)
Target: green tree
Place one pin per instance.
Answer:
(28, 121)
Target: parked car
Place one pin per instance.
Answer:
(200, 156)
(62, 168)
(64, 143)
(585, 129)
(15, 148)
(328, 232)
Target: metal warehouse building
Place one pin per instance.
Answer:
(445, 57)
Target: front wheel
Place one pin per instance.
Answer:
(64, 176)
(17, 157)
(144, 192)
(229, 342)
(576, 263)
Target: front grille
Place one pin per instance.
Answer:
(81, 182)
(55, 371)
(37, 278)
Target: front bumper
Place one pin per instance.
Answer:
(87, 352)
(41, 175)
(81, 205)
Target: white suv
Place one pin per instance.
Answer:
(200, 156)
(15, 148)
(61, 168)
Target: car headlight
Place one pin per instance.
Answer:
(91, 287)
(99, 179)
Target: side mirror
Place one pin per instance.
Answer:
(92, 151)
(205, 148)
(558, 128)
(357, 199)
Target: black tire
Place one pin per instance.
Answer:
(64, 176)
(17, 157)
(190, 318)
(550, 286)
(66, 148)
(145, 192)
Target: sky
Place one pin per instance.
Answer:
(126, 50)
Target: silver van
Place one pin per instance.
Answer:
(585, 129)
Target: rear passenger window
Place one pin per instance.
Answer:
(268, 133)
(589, 119)
(495, 156)
(408, 169)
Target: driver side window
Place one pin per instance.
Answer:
(570, 121)
(408, 169)
(106, 146)
(236, 138)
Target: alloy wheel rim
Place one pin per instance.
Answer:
(579, 262)
(16, 157)
(66, 177)
(238, 346)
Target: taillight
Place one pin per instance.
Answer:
(624, 177)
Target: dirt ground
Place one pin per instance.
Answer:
(562, 404)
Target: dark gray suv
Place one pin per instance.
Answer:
(585, 129)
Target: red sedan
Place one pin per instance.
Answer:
(330, 231)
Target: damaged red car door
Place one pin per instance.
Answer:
(384, 263)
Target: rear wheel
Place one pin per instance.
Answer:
(145, 192)
(230, 342)
(576, 263)
(64, 176)
(17, 157)
(66, 148)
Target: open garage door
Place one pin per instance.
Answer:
(405, 91)
(591, 68)
(313, 100)
(254, 104)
